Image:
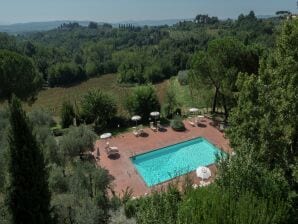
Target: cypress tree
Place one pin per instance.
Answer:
(28, 193)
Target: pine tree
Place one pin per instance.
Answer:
(28, 193)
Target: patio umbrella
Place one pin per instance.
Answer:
(203, 172)
(154, 114)
(136, 118)
(105, 135)
(193, 110)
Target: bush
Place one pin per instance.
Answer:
(67, 114)
(171, 102)
(57, 181)
(142, 101)
(62, 74)
(99, 108)
(182, 77)
(177, 124)
(216, 205)
(130, 208)
(41, 117)
(77, 141)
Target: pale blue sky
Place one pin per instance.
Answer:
(13, 11)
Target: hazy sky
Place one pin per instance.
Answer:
(12, 11)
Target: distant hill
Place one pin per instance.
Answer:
(19, 28)
(168, 22)
(265, 16)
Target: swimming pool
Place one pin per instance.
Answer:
(169, 162)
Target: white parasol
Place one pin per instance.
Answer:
(154, 114)
(105, 135)
(203, 172)
(193, 110)
(136, 118)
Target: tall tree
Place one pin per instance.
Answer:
(28, 194)
(18, 76)
(142, 101)
(218, 67)
(265, 123)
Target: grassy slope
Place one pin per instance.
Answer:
(51, 99)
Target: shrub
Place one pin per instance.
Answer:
(177, 124)
(142, 101)
(67, 114)
(57, 181)
(41, 117)
(57, 131)
(77, 140)
(182, 77)
(171, 102)
(130, 208)
(99, 108)
(62, 74)
(216, 205)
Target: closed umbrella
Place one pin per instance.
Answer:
(203, 172)
(136, 118)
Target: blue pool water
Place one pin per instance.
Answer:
(166, 163)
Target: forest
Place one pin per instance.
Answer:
(248, 68)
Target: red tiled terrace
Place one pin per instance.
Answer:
(124, 171)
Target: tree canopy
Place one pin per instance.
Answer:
(18, 76)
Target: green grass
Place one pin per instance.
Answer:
(51, 99)
(192, 98)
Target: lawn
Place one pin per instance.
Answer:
(51, 99)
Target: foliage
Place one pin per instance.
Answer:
(142, 101)
(177, 123)
(118, 217)
(17, 76)
(77, 141)
(67, 114)
(57, 181)
(28, 195)
(183, 77)
(264, 122)
(4, 124)
(215, 205)
(40, 117)
(171, 102)
(149, 208)
(98, 107)
(64, 74)
(219, 66)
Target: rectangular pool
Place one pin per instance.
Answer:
(175, 160)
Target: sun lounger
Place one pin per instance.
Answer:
(112, 151)
(135, 132)
(153, 128)
(192, 123)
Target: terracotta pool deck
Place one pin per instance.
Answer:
(122, 168)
